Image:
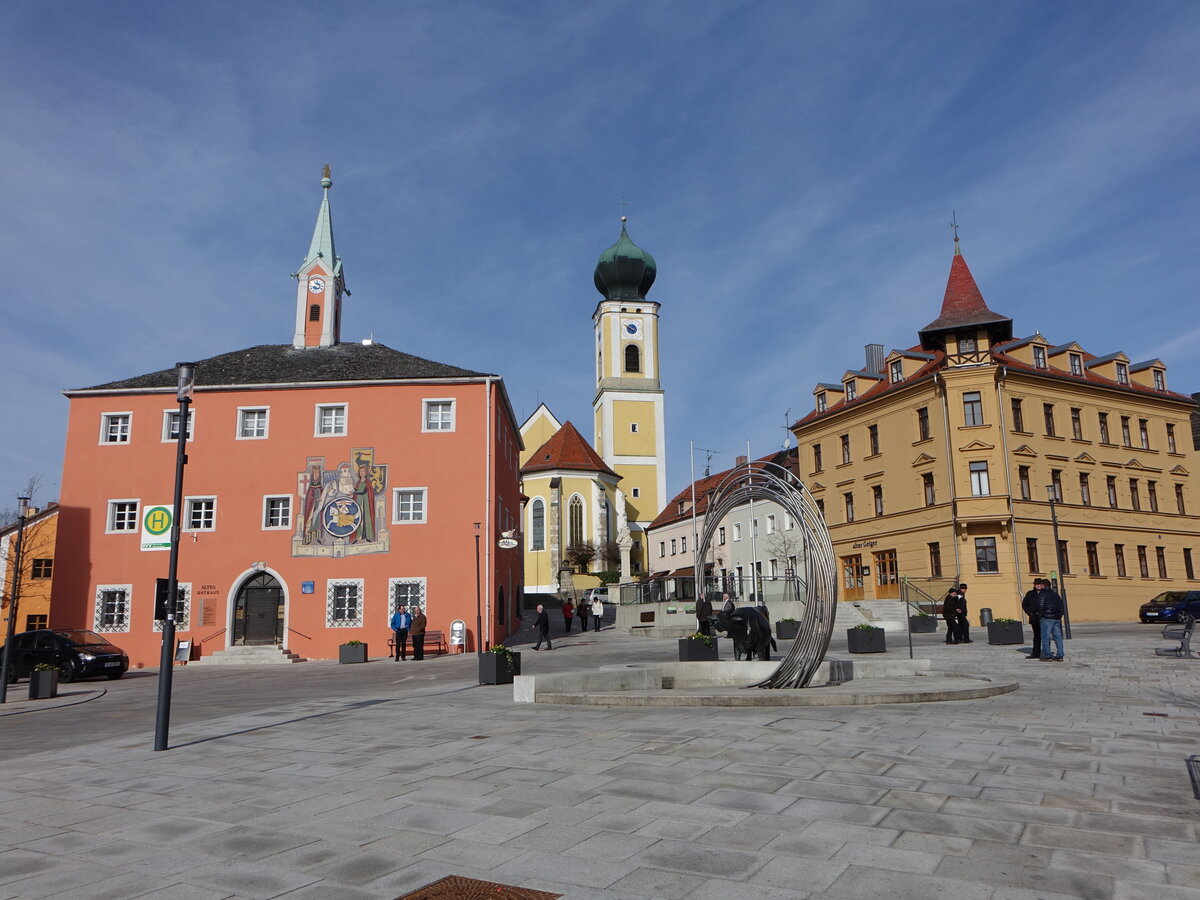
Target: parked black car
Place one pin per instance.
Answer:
(76, 654)
(1169, 606)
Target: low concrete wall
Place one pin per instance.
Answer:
(649, 676)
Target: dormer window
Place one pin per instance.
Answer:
(897, 371)
(1039, 357)
(1076, 364)
(1122, 373)
(821, 402)
(966, 343)
(851, 391)
(1160, 380)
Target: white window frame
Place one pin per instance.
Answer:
(980, 479)
(1039, 357)
(1122, 373)
(662, 549)
(168, 416)
(418, 580)
(636, 493)
(1076, 363)
(822, 403)
(721, 535)
(183, 608)
(331, 587)
(674, 546)
(98, 609)
(106, 421)
(109, 519)
(242, 411)
(633, 427)
(1160, 380)
(266, 516)
(319, 408)
(771, 524)
(683, 544)
(737, 531)
(851, 390)
(425, 404)
(396, 492)
(897, 371)
(187, 512)
(535, 504)
(788, 522)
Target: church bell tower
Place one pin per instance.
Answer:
(628, 407)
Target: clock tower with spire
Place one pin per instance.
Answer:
(320, 283)
(628, 406)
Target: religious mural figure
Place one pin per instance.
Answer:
(342, 511)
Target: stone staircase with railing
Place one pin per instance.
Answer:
(266, 655)
(890, 615)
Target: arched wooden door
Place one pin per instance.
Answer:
(258, 611)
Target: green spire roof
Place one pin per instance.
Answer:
(625, 271)
(322, 239)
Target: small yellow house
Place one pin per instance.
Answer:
(36, 571)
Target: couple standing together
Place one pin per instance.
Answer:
(405, 626)
(1044, 607)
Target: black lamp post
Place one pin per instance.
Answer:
(1052, 490)
(478, 600)
(162, 722)
(14, 596)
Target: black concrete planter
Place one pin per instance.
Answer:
(43, 685)
(922, 624)
(865, 640)
(495, 669)
(787, 631)
(697, 651)
(352, 653)
(1005, 633)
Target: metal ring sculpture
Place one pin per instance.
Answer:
(768, 481)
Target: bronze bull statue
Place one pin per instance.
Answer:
(749, 630)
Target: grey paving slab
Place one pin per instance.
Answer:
(657, 883)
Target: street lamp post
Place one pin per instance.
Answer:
(162, 722)
(1052, 491)
(478, 600)
(14, 596)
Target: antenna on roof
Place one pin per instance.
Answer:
(709, 454)
(787, 428)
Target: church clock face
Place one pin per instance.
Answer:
(631, 328)
(316, 285)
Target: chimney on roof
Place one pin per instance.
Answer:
(874, 358)
(740, 461)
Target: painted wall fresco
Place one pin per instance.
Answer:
(342, 510)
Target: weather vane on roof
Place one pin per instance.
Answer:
(624, 204)
(954, 224)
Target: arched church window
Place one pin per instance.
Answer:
(314, 313)
(633, 358)
(575, 520)
(537, 525)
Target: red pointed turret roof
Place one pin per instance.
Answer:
(963, 304)
(566, 449)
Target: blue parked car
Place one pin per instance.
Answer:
(1169, 606)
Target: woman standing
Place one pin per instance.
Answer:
(568, 611)
(597, 612)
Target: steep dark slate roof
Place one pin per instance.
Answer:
(283, 364)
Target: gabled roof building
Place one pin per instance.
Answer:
(936, 464)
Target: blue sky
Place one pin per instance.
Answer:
(792, 167)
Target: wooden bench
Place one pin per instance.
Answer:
(1182, 632)
(435, 642)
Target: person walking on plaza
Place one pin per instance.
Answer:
(401, 622)
(568, 610)
(950, 614)
(417, 632)
(1050, 610)
(597, 612)
(704, 613)
(964, 624)
(542, 625)
(1029, 606)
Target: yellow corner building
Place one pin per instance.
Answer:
(950, 461)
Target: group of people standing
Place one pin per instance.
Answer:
(954, 611)
(405, 625)
(1044, 607)
(541, 624)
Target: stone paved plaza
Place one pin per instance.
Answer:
(328, 781)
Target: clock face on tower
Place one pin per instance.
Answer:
(631, 328)
(316, 285)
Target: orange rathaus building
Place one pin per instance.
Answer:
(327, 483)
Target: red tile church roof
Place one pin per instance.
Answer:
(566, 449)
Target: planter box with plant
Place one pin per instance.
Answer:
(922, 623)
(698, 648)
(865, 638)
(352, 652)
(499, 665)
(787, 629)
(1005, 631)
(43, 682)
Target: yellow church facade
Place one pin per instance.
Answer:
(938, 464)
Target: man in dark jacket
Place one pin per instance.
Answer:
(1050, 610)
(964, 624)
(950, 614)
(1029, 606)
(542, 624)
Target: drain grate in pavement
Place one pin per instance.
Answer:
(1193, 766)
(456, 887)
